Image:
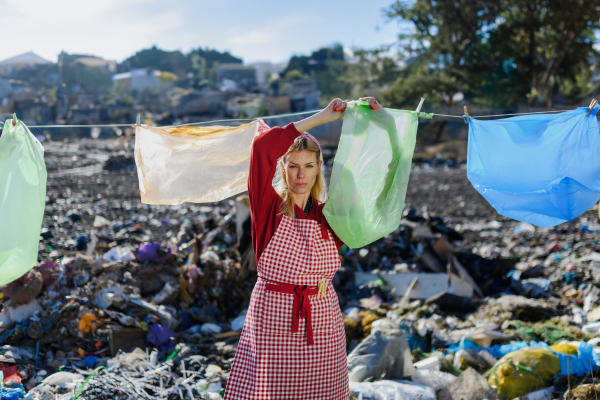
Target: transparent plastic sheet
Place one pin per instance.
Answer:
(391, 390)
(543, 169)
(23, 179)
(380, 356)
(193, 164)
(370, 173)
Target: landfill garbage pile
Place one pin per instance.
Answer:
(136, 301)
(139, 375)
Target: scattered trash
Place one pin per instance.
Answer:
(440, 302)
(380, 356)
(152, 252)
(522, 371)
(26, 288)
(391, 390)
(435, 379)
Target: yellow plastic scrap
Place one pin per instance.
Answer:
(87, 322)
(522, 372)
(351, 327)
(183, 292)
(565, 348)
(366, 319)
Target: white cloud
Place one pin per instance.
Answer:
(116, 29)
(102, 28)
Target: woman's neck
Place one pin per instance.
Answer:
(300, 199)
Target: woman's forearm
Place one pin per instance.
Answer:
(310, 122)
(334, 111)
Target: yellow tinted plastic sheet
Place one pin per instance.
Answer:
(193, 164)
(565, 348)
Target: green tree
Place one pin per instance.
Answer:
(171, 61)
(294, 75)
(75, 73)
(371, 71)
(205, 65)
(317, 61)
(498, 53)
(444, 36)
(325, 65)
(550, 43)
(211, 56)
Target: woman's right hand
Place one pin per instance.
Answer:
(373, 103)
(334, 111)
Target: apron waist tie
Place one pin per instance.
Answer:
(301, 307)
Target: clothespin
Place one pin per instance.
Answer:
(467, 114)
(138, 120)
(420, 105)
(591, 107)
(14, 120)
(322, 288)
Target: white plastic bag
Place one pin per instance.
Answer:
(381, 356)
(391, 390)
(435, 379)
(193, 164)
(63, 379)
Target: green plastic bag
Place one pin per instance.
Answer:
(22, 198)
(370, 173)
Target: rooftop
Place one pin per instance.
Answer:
(26, 58)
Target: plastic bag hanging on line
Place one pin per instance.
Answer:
(22, 200)
(543, 169)
(370, 173)
(193, 164)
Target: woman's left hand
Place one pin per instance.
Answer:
(373, 103)
(334, 111)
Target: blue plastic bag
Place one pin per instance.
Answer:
(543, 168)
(586, 360)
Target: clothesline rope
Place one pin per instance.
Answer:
(271, 117)
(175, 126)
(502, 115)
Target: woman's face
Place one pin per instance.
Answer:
(301, 168)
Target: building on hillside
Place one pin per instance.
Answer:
(304, 95)
(11, 65)
(250, 105)
(295, 96)
(138, 79)
(266, 71)
(5, 87)
(85, 115)
(31, 107)
(197, 102)
(97, 63)
(244, 76)
(278, 103)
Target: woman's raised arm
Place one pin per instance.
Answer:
(334, 111)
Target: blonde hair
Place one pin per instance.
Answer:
(318, 191)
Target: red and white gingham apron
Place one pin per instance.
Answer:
(274, 361)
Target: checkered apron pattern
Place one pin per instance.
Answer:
(273, 362)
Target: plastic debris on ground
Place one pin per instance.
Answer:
(434, 309)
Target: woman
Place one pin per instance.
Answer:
(293, 344)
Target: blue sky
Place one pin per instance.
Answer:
(257, 30)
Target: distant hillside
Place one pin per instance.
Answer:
(174, 61)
